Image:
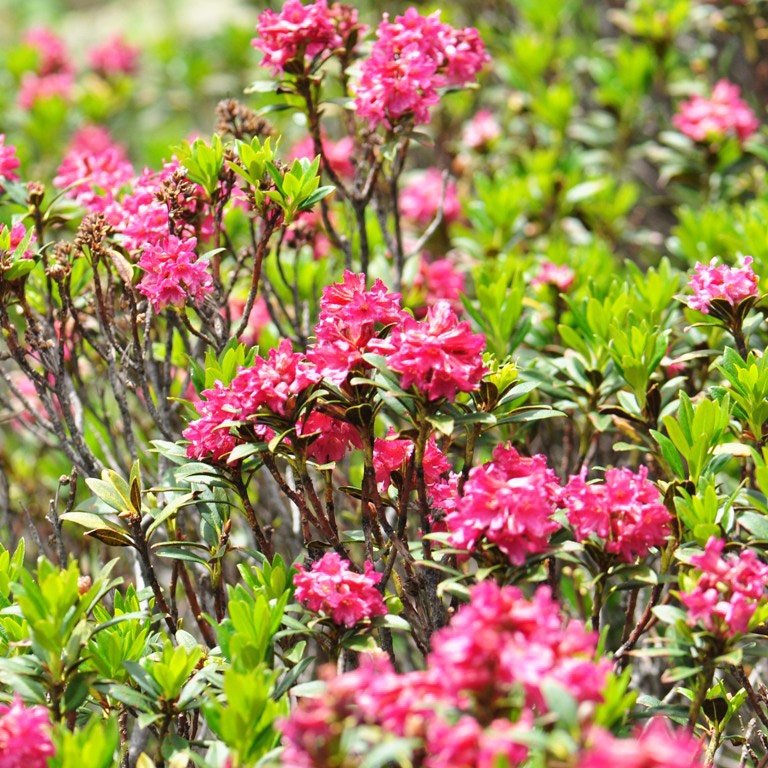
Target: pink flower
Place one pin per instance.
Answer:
(510, 502)
(625, 511)
(440, 279)
(273, 384)
(500, 642)
(721, 283)
(9, 163)
(439, 355)
(139, 217)
(332, 589)
(723, 114)
(173, 274)
(94, 169)
(35, 88)
(18, 233)
(339, 153)
(52, 53)
(390, 454)
(351, 318)
(332, 438)
(296, 33)
(412, 58)
(657, 746)
(466, 744)
(25, 736)
(258, 320)
(559, 275)
(728, 590)
(483, 129)
(114, 57)
(420, 199)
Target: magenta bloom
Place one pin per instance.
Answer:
(18, 233)
(297, 32)
(439, 355)
(332, 438)
(510, 502)
(173, 274)
(52, 53)
(625, 511)
(412, 58)
(95, 168)
(559, 275)
(728, 591)
(25, 736)
(438, 280)
(35, 88)
(657, 746)
(421, 198)
(273, 384)
(721, 283)
(114, 57)
(501, 641)
(481, 130)
(351, 318)
(332, 589)
(9, 163)
(723, 114)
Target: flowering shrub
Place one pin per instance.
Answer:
(415, 417)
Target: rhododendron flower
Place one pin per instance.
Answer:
(725, 113)
(173, 274)
(94, 169)
(439, 355)
(52, 53)
(412, 58)
(500, 642)
(296, 32)
(18, 233)
(273, 383)
(721, 283)
(114, 57)
(421, 197)
(257, 320)
(559, 275)
(25, 736)
(728, 590)
(625, 511)
(657, 746)
(35, 88)
(338, 153)
(332, 438)
(331, 588)
(481, 130)
(9, 163)
(350, 318)
(440, 279)
(510, 502)
(389, 455)
(466, 744)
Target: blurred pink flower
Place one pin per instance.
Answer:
(420, 199)
(25, 736)
(482, 130)
(35, 88)
(114, 56)
(9, 163)
(339, 153)
(559, 275)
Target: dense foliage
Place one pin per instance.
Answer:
(416, 415)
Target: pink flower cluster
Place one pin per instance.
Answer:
(25, 736)
(332, 438)
(18, 233)
(655, 747)
(94, 169)
(299, 33)
(273, 383)
(173, 273)
(459, 707)
(392, 454)
(9, 163)
(721, 283)
(412, 58)
(114, 57)
(728, 590)
(561, 276)
(509, 502)
(725, 113)
(331, 588)
(481, 131)
(420, 199)
(439, 355)
(53, 75)
(625, 511)
(436, 280)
